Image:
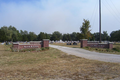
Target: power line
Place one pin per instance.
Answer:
(112, 9)
(115, 6)
(112, 13)
(94, 13)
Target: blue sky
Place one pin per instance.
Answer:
(65, 16)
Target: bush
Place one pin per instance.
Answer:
(24, 50)
(38, 49)
(117, 49)
(42, 48)
(47, 48)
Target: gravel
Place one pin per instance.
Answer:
(89, 54)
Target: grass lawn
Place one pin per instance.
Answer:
(101, 50)
(64, 44)
(52, 65)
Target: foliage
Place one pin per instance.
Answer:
(66, 37)
(104, 50)
(56, 36)
(73, 36)
(2, 36)
(115, 35)
(32, 36)
(12, 34)
(47, 48)
(85, 29)
(42, 36)
(79, 36)
(30, 49)
(117, 48)
(104, 36)
(42, 48)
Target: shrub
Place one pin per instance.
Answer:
(38, 49)
(42, 48)
(117, 49)
(24, 50)
(47, 48)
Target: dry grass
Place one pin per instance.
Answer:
(64, 44)
(52, 65)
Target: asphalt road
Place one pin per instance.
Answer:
(89, 54)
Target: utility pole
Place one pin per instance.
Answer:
(100, 20)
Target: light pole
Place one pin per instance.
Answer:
(100, 20)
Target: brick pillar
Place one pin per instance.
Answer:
(16, 46)
(83, 43)
(45, 43)
(110, 45)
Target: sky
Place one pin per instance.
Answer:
(65, 16)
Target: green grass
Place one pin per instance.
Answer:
(52, 64)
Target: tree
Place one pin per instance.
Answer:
(56, 36)
(24, 35)
(2, 36)
(73, 36)
(32, 36)
(85, 29)
(10, 33)
(96, 36)
(105, 36)
(66, 37)
(115, 35)
(79, 36)
(13, 33)
(41, 36)
(47, 36)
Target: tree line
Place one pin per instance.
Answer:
(12, 34)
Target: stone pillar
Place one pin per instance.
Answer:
(110, 45)
(83, 43)
(45, 43)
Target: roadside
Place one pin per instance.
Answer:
(89, 54)
(115, 50)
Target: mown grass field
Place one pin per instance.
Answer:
(53, 64)
(101, 50)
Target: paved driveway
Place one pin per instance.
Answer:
(89, 54)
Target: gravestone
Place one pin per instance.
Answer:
(68, 43)
(74, 43)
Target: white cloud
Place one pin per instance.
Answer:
(56, 15)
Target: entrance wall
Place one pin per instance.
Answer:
(84, 43)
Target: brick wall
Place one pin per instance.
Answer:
(26, 46)
(32, 45)
(45, 43)
(96, 45)
(83, 43)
